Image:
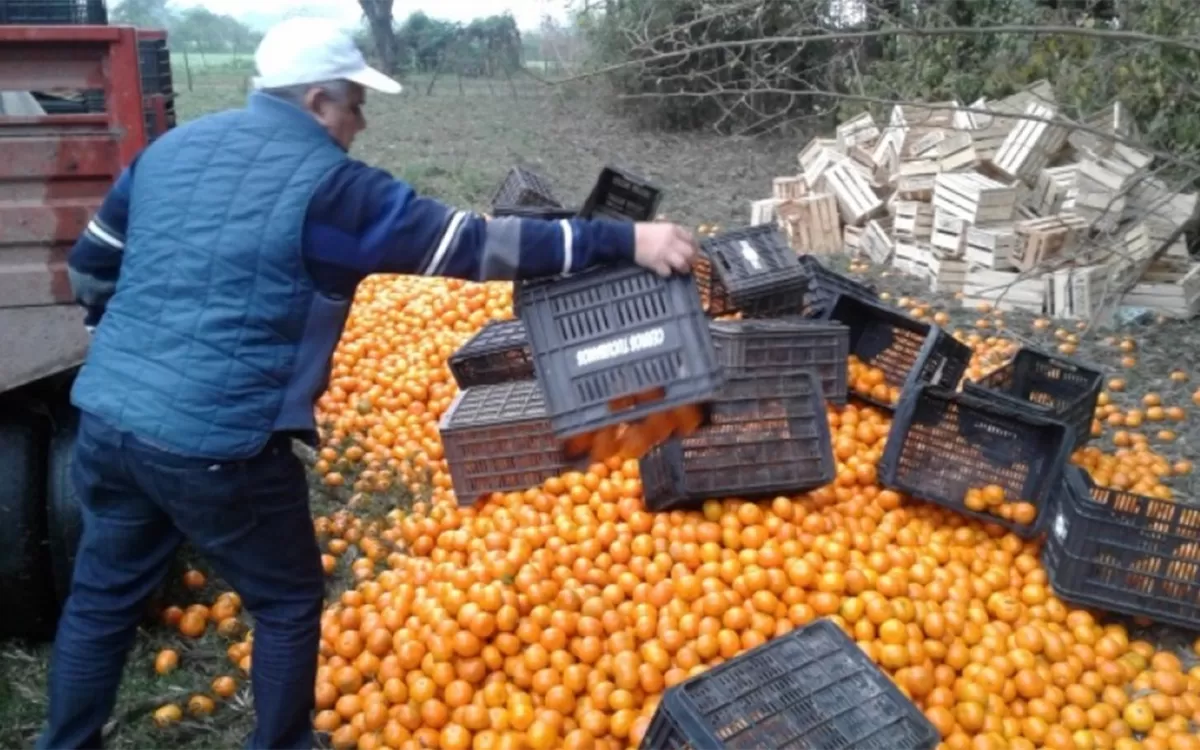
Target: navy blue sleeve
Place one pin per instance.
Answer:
(363, 221)
(94, 263)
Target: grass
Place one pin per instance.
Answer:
(454, 144)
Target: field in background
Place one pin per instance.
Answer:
(457, 145)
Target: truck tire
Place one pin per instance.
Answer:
(25, 572)
(64, 522)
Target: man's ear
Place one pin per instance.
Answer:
(315, 100)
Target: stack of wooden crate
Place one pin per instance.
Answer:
(1003, 202)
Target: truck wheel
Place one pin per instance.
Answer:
(64, 522)
(25, 571)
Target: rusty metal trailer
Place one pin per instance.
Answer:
(55, 169)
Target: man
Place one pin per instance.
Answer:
(218, 275)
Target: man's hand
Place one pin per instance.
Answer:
(664, 248)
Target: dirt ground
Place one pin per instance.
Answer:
(457, 146)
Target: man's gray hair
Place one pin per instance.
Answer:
(338, 89)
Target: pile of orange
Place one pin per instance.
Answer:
(557, 617)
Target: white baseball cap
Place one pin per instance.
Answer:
(309, 50)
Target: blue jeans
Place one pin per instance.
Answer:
(249, 519)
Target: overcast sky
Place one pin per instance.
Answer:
(528, 13)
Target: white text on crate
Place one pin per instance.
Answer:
(636, 342)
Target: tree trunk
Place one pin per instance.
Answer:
(379, 17)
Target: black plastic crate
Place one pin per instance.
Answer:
(943, 443)
(751, 270)
(604, 338)
(154, 62)
(784, 344)
(619, 194)
(908, 351)
(53, 12)
(825, 285)
(497, 353)
(1048, 384)
(811, 688)
(1125, 553)
(767, 434)
(497, 438)
(524, 188)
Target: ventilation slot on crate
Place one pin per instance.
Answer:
(784, 344)
(947, 447)
(825, 285)
(1120, 552)
(767, 434)
(498, 353)
(750, 270)
(811, 688)
(524, 188)
(608, 336)
(1047, 384)
(621, 195)
(905, 350)
(497, 439)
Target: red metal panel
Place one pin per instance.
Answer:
(48, 157)
(54, 66)
(43, 34)
(124, 94)
(54, 171)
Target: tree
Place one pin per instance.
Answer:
(379, 18)
(144, 13)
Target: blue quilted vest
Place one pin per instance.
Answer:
(216, 336)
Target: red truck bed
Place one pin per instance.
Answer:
(54, 171)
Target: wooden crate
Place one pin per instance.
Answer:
(1101, 190)
(1159, 234)
(974, 197)
(1151, 199)
(1079, 291)
(949, 233)
(1136, 158)
(856, 199)
(914, 187)
(822, 162)
(1137, 244)
(912, 220)
(1170, 287)
(972, 117)
(1054, 190)
(1049, 237)
(816, 157)
(857, 131)
(957, 151)
(811, 224)
(851, 240)
(910, 167)
(991, 246)
(1005, 290)
(875, 242)
(926, 146)
(886, 154)
(927, 117)
(946, 275)
(1028, 147)
(789, 188)
(1113, 120)
(764, 211)
(1039, 92)
(908, 256)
